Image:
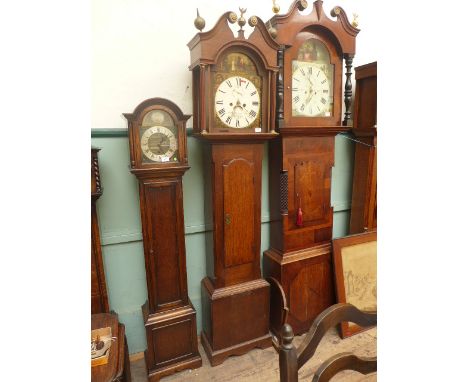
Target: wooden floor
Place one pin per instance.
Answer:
(262, 365)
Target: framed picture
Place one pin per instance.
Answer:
(355, 264)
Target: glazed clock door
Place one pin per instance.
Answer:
(159, 138)
(312, 89)
(237, 94)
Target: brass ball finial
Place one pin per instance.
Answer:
(232, 17)
(241, 20)
(273, 32)
(355, 21)
(253, 21)
(276, 7)
(199, 22)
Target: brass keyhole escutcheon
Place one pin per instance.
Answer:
(227, 219)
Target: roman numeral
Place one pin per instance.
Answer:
(325, 90)
(253, 93)
(252, 114)
(255, 103)
(228, 120)
(246, 86)
(219, 102)
(295, 89)
(295, 79)
(302, 71)
(237, 81)
(323, 100)
(248, 123)
(310, 70)
(221, 112)
(302, 107)
(222, 91)
(229, 83)
(237, 123)
(296, 99)
(323, 81)
(318, 73)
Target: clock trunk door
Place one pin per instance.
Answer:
(165, 245)
(239, 212)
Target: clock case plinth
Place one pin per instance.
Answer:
(301, 161)
(169, 316)
(234, 296)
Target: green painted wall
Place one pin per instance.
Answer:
(119, 219)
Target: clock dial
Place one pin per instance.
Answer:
(237, 102)
(311, 91)
(158, 144)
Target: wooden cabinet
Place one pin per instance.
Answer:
(99, 301)
(364, 199)
(309, 115)
(158, 158)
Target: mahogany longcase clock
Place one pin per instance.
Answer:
(364, 202)
(309, 115)
(99, 301)
(158, 155)
(234, 85)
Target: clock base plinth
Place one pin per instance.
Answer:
(172, 341)
(306, 276)
(236, 319)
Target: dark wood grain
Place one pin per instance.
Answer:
(364, 196)
(99, 299)
(292, 359)
(169, 316)
(301, 161)
(344, 361)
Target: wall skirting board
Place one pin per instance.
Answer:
(119, 219)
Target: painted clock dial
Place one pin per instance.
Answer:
(312, 81)
(237, 102)
(158, 140)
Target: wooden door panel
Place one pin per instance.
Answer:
(164, 251)
(239, 212)
(311, 192)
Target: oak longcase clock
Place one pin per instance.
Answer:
(309, 115)
(234, 90)
(158, 157)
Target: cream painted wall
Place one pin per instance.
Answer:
(139, 48)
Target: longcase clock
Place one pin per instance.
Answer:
(309, 115)
(99, 301)
(364, 202)
(234, 87)
(158, 155)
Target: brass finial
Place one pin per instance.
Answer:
(355, 21)
(232, 17)
(241, 20)
(273, 32)
(253, 21)
(199, 22)
(276, 7)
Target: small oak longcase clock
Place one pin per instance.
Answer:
(234, 87)
(309, 115)
(158, 157)
(99, 301)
